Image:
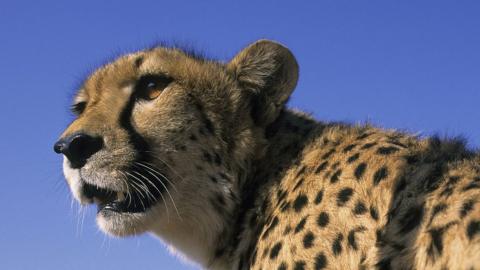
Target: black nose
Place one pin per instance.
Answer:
(78, 148)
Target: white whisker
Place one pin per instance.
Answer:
(164, 186)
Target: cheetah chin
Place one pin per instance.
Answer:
(206, 156)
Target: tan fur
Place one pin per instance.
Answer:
(251, 184)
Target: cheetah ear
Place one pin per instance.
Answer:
(269, 72)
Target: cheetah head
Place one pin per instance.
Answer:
(162, 139)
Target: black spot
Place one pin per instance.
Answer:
(209, 125)
(213, 179)
(412, 159)
(300, 203)
(193, 137)
(281, 195)
(380, 175)
(308, 240)
(384, 264)
(321, 167)
(337, 244)
(300, 225)
(138, 61)
(323, 219)
(282, 266)
(319, 197)
(353, 158)
(218, 160)
(432, 181)
(474, 184)
(437, 242)
(349, 148)
(368, 145)
(301, 171)
(364, 136)
(275, 250)
(335, 165)
(473, 228)
(360, 208)
(299, 265)
(411, 218)
(328, 154)
(207, 157)
(224, 176)
(397, 143)
(298, 184)
(265, 252)
(360, 170)
(374, 212)
(437, 209)
(399, 187)
(351, 237)
(336, 176)
(344, 196)
(449, 187)
(181, 147)
(272, 226)
(466, 208)
(287, 230)
(379, 237)
(285, 206)
(387, 150)
(320, 261)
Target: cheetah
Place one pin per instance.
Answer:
(205, 155)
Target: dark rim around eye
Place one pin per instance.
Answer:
(151, 82)
(79, 107)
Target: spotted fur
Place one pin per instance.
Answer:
(250, 184)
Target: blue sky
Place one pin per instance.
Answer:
(413, 65)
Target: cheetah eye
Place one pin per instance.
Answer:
(79, 107)
(149, 87)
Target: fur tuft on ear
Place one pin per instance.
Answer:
(269, 72)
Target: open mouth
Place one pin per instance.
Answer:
(141, 195)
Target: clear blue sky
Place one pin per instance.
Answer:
(413, 65)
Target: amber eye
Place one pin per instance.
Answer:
(149, 87)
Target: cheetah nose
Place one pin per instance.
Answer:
(78, 148)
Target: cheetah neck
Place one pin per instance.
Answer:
(285, 140)
(216, 240)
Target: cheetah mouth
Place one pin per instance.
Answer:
(143, 191)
